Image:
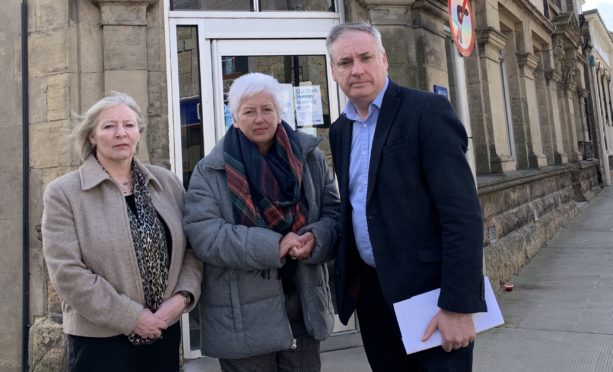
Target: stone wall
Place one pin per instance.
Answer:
(11, 182)
(586, 180)
(522, 211)
(79, 50)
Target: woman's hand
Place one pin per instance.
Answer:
(304, 249)
(289, 241)
(170, 310)
(149, 325)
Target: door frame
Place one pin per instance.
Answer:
(267, 47)
(215, 40)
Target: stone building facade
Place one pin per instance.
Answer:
(538, 136)
(598, 49)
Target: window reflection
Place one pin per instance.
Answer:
(192, 148)
(291, 71)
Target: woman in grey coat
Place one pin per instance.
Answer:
(261, 212)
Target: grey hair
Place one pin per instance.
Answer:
(342, 28)
(251, 84)
(83, 130)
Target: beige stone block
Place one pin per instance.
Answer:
(123, 14)
(58, 99)
(37, 99)
(91, 49)
(156, 58)
(92, 89)
(396, 47)
(46, 175)
(131, 82)
(10, 221)
(47, 345)
(125, 48)
(10, 143)
(89, 14)
(389, 15)
(158, 140)
(135, 84)
(48, 53)
(50, 145)
(10, 311)
(157, 82)
(11, 24)
(51, 14)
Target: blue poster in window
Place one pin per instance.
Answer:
(443, 91)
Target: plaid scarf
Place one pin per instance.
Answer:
(266, 190)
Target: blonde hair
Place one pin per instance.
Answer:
(81, 133)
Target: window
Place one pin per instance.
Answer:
(254, 5)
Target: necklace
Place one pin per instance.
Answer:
(126, 187)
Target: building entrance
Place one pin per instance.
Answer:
(204, 68)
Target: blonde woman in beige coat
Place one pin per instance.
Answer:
(115, 249)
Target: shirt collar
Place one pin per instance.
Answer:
(351, 112)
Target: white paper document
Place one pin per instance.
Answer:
(415, 313)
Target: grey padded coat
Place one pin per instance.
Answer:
(242, 308)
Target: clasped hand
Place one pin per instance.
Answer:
(297, 246)
(150, 325)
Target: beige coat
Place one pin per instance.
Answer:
(88, 248)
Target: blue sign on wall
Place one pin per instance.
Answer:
(443, 91)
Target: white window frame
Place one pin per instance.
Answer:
(213, 31)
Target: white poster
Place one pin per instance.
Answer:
(309, 110)
(287, 104)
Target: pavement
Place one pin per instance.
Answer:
(558, 317)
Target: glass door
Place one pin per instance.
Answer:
(310, 99)
(310, 102)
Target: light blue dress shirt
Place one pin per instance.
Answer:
(359, 163)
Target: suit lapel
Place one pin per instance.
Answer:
(345, 138)
(387, 116)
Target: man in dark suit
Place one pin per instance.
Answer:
(410, 214)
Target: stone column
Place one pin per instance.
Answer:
(545, 111)
(606, 96)
(527, 63)
(413, 35)
(124, 34)
(427, 37)
(568, 92)
(582, 127)
(553, 79)
(599, 124)
(494, 134)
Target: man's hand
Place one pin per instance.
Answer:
(457, 330)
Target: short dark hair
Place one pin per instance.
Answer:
(340, 29)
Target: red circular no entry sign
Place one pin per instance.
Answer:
(461, 23)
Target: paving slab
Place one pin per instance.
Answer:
(558, 318)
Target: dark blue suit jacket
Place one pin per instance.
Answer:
(423, 213)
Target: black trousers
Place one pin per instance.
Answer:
(117, 354)
(383, 342)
